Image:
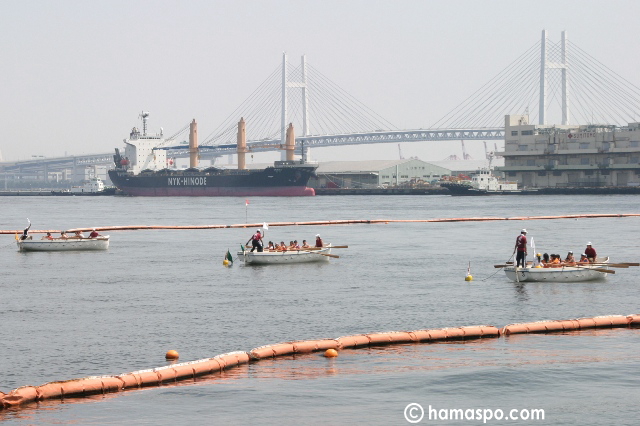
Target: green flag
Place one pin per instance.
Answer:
(229, 257)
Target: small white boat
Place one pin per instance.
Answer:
(60, 244)
(93, 185)
(285, 257)
(565, 274)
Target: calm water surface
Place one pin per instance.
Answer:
(69, 315)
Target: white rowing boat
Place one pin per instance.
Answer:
(285, 257)
(565, 274)
(70, 244)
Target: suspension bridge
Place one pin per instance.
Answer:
(550, 81)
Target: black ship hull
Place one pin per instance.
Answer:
(213, 182)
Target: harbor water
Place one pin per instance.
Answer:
(75, 314)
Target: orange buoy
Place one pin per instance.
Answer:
(331, 353)
(172, 354)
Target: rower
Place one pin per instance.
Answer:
(570, 258)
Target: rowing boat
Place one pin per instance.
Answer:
(565, 274)
(70, 244)
(285, 257)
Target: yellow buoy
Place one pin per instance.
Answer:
(172, 354)
(331, 353)
(468, 278)
(225, 262)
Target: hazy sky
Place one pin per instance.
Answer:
(76, 74)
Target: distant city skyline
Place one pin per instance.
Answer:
(78, 74)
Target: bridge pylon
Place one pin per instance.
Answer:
(563, 65)
(286, 84)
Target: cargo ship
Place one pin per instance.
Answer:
(145, 170)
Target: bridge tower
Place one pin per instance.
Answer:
(564, 67)
(305, 102)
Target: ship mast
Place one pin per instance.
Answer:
(144, 115)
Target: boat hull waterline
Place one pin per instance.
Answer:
(85, 244)
(286, 257)
(564, 275)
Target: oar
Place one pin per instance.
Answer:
(323, 254)
(329, 255)
(606, 271)
(612, 265)
(322, 248)
(619, 265)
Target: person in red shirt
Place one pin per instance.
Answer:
(94, 233)
(319, 242)
(521, 249)
(256, 241)
(590, 252)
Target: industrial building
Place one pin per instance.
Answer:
(570, 155)
(376, 173)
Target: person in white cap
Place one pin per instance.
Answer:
(319, 242)
(590, 252)
(521, 249)
(256, 241)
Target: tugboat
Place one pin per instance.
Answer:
(483, 182)
(92, 186)
(143, 170)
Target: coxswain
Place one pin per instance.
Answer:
(521, 249)
(319, 242)
(256, 241)
(590, 252)
(94, 233)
